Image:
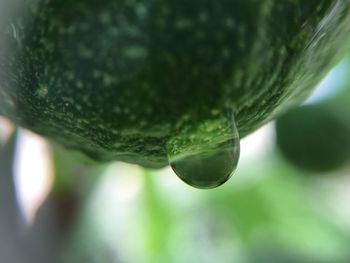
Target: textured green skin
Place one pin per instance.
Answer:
(112, 78)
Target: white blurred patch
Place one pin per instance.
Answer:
(33, 172)
(121, 182)
(118, 190)
(259, 143)
(169, 185)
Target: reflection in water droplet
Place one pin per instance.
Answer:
(10, 30)
(13, 31)
(209, 159)
(208, 169)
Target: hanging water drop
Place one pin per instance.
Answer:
(205, 153)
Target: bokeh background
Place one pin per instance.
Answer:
(289, 200)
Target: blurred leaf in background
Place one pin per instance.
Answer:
(316, 136)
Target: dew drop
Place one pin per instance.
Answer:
(205, 154)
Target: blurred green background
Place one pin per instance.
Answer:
(289, 200)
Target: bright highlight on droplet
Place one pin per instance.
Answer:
(207, 157)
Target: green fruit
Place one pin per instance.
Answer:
(315, 137)
(117, 79)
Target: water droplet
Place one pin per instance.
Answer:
(205, 153)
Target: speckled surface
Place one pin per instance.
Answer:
(113, 78)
